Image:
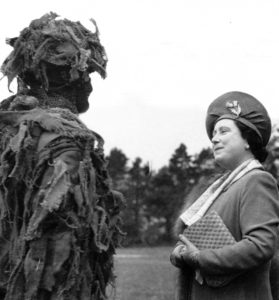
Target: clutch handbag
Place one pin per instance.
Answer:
(210, 232)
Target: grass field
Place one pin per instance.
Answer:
(143, 274)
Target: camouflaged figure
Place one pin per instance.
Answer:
(59, 218)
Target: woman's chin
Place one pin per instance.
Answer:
(217, 157)
(219, 161)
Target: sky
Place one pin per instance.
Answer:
(168, 60)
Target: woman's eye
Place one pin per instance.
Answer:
(222, 131)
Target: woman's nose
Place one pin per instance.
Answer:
(215, 139)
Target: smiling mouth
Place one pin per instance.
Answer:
(218, 148)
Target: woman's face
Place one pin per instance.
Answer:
(229, 147)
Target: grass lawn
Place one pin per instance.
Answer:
(143, 274)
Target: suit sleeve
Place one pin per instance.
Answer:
(259, 219)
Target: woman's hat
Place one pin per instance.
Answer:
(243, 108)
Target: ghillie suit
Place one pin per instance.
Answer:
(59, 218)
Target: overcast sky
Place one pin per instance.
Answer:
(168, 59)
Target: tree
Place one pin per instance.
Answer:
(160, 201)
(205, 162)
(137, 181)
(117, 166)
(182, 169)
(169, 186)
(117, 162)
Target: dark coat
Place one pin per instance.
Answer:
(250, 210)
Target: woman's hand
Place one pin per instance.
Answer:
(185, 253)
(175, 257)
(189, 252)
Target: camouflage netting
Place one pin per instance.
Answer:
(59, 217)
(57, 43)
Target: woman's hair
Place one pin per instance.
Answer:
(254, 141)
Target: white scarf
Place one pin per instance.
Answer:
(202, 204)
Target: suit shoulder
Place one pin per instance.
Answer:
(257, 174)
(257, 177)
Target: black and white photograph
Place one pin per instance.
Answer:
(139, 150)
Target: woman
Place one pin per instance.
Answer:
(246, 198)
